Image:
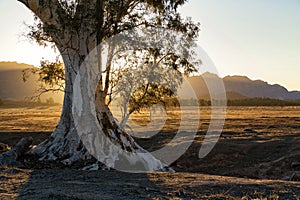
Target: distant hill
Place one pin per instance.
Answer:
(229, 95)
(237, 87)
(12, 86)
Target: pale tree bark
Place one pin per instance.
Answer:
(65, 143)
(49, 11)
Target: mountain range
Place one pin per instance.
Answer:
(12, 86)
(236, 87)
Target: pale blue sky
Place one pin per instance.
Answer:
(256, 38)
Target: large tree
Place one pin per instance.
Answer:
(78, 28)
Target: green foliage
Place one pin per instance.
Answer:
(52, 73)
(38, 34)
(51, 76)
(151, 75)
(107, 18)
(148, 77)
(148, 95)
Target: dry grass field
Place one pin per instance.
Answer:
(257, 147)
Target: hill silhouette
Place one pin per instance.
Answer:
(237, 87)
(12, 86)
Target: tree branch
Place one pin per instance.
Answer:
(108, 67)
(50, 12)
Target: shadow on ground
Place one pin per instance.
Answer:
(73, 184)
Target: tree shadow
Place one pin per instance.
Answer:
(75, 184)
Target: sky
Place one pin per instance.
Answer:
(255, 38)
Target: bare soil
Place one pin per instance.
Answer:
(253, 159)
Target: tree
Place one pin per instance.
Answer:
(51, 76)
(77, 28)
(152, 83)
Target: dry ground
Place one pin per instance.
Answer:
(257, 142)
(74, 184)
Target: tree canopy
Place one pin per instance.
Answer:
(136, 14)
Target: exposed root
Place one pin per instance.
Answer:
(12, 158)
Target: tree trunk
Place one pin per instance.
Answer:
(91, 130)
(64, 143)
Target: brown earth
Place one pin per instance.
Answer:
(257, 142)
